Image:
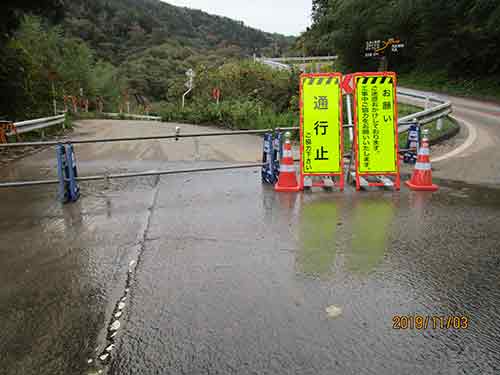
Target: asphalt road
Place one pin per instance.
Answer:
(215, 273)
(478, 162)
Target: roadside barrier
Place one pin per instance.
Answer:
(421, 179)
(413, 144)
(271, 158)
(271, 153)
(67, 170)
(67, 173)
(287, 180)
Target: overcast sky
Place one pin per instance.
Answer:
(289, 17)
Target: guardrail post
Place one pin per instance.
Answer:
(439, 124)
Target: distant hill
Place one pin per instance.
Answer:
(129, 47)
(118, 29)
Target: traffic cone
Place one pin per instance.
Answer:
(421, 180)
(287, 180)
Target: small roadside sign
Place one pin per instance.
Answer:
(375, 124)
(347, 85)
(321, 125)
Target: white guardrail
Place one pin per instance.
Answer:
(442, 109)
(41, 123)
(135, 117)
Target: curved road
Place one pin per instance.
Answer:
(217, 274)
(479, 161)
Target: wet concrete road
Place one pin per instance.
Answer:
(478, 163)
(220, 275)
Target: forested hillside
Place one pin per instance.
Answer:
(109, 47)
(456, 39)
(117, 29)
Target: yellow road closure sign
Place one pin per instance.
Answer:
(321, 124)
(376, 123)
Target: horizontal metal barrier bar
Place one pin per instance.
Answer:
(28, 183)
(36, 124)
(427, 115)
(128, 139)
(37, 121)
(128, 175)
(129, 115)
(420, 96)
(424, 117)
(299, 58)
(30, 128)
(426, 112)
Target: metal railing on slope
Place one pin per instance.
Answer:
(37, 124)
(428, 115)
(132, 116)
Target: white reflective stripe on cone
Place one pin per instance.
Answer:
(287, 153)
(287, 168)
(423, 166)
(424, 151)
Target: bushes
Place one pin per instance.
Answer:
(231, 114)
(254, 96)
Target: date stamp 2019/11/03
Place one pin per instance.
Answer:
(424, 322)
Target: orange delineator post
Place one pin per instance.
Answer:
(287, 180)
(421, 179)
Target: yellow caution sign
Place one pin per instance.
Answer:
(321, 135)
(376, 123)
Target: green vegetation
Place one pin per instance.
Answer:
(486, 88)
(450, 45)
(50, 65)
(253, 96)
(120, 29)
(113, 48)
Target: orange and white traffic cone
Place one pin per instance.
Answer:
(421, 180)
(287, 180)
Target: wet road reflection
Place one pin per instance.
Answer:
(371, 223)
(232, 278)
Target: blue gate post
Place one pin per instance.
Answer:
(61, 173)
(413, 144)
(74, 190)
(267, 168)
(277, 153)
